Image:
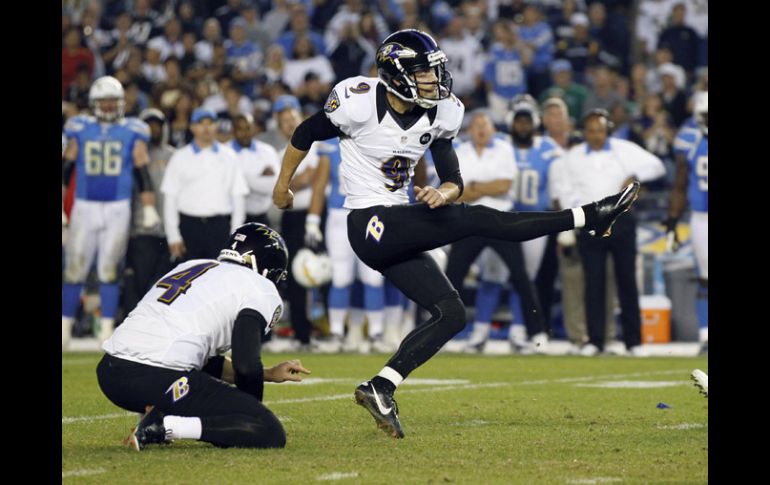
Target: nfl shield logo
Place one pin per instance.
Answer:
(403, 140)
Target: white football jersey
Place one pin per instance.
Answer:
(378, 154)
(188, 315)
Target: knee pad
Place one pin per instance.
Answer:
(452, 312)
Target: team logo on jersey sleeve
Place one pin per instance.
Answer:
(375, 228)
(332, 102)
(425, 138)
(276, 316)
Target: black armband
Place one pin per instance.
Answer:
(317, 127)
(446, 163)
(66, 172)
(142, 179)
(246, 344)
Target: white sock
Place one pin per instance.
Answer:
(375, 319)
(703, 334)
(518, 333)
(391, 375)
(480, 331)
(356, 317)
(66, 331)
(580, 217)
(337, 321)
(392, 315)
(181, 428)
(107, 325)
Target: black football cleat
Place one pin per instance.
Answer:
(381, 406)
(609, 209)
(149, 430)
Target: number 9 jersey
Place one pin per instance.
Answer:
(379, 149)
(104, 167)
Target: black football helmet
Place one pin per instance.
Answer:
(405, 52)
(260, 248)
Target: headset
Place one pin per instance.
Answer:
(601, 113)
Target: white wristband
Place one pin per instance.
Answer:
(313, 219)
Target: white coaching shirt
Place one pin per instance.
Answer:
(496, 161)
(202, 183)
(584, 175)
(181, 329)
(254, 160)
(378, 155)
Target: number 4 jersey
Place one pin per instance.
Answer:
(104, 167)
(188, 315)
(378, 151)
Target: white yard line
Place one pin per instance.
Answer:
(336, 397)
(337, 476)
(86, 419)
(82, 472)
(594, 480)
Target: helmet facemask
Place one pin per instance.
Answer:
(109, 114)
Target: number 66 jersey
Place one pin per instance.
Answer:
(380, 149)
(188, 315)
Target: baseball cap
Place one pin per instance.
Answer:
(560, 65)
(201, 113)
(579, 18)
(286, 101)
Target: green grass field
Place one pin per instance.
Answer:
(467, 419)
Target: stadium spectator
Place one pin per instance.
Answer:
(602, 94)
(73, 55)
(305, 60)
(573, 94)
(212, 35)
(170, 43)
(681, 39)
(537, 35)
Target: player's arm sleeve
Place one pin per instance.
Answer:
(446, 163)
(247, 343)
(142, 179)
(316, 128)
